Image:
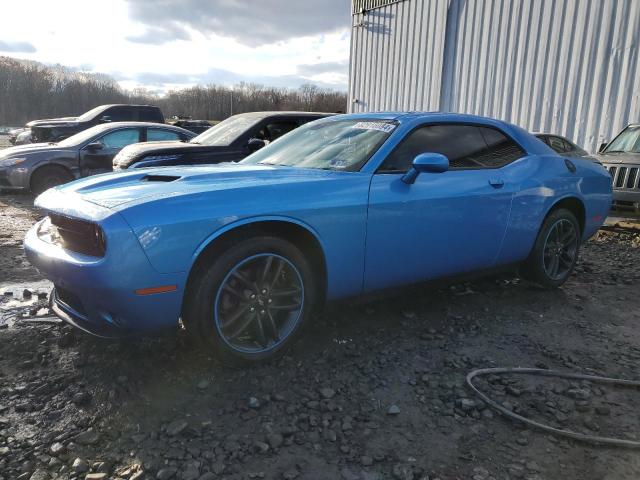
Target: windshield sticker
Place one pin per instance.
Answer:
(381, 126)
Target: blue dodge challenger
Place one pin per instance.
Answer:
(244, 254)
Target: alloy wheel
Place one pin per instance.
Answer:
(259, 303)
(560, 249)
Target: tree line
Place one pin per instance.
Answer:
(30, 90)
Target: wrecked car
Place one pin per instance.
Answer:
(39, 166)
(244, 254)
(56, 129)
(229, 141)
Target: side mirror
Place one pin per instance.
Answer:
(255, 144)
(426, 163)
(602, 147)
(95, 146)
(105, 118)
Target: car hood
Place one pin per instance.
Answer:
(118, 191)
(29, 149)
(169, 147)
(632, 158)
(53, 122)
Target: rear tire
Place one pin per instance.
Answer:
(49, 176)
(249, 303)
(555, 253)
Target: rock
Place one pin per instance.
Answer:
(330, 435)
(366, 461)
(603, 410)
(347, 474)
(26, 294)
(80, 465)
(81, 398)
(176, 427)
(96, 476)
(466, 404)
(203, 384)
(393, 410)
(327, 392)
(137, 476)
(208, 476)
(275, 440)
(57, 448)
(402, 472)
(261, 447)
(166, 473)
(88, 437)
(39, 475)
(254, 402)
(290, 474)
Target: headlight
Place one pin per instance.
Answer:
(8, 162)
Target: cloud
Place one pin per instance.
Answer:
(160, 35)
(311, 69)
(252, 23)
(218, 76)
(17, 47)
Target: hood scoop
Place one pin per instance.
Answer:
(160, 178)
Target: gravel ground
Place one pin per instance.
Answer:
(373, 390)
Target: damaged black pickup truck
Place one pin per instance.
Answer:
(56, 129)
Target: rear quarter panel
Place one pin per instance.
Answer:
(546, 181)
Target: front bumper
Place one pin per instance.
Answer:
(14, 178)
(98, 295)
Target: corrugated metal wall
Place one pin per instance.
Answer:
(566, 66)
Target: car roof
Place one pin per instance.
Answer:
(112, 125)
(295, 113)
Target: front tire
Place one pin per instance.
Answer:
(555, 252)
(250, 302)
(49, 176)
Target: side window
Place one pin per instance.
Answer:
(118, 114)
(121, 138)
(148, 115)
(274, 130)
(156, 134)
(558, 144)
(501, 150)
(466, 146)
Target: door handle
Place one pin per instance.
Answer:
(496, 182)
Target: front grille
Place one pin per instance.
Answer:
(624, 177)
(74, 234)
(70, 300)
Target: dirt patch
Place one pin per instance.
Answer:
(372, 391)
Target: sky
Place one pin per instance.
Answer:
(165, 44)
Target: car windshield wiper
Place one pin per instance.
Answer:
(617, 151)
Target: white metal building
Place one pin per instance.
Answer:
(568, 67)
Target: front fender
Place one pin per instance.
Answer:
(248, 221)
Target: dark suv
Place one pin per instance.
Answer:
(229, 141)
(622, 158)
(56, 129)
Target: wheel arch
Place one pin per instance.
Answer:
(298, 233)
(54, 164)
(575, 205)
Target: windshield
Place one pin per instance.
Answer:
(91, 113)
(628, 141)
(226, 132)
(81, 137)
(330, 145)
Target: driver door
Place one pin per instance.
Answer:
(97, 156)
(444, 223)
